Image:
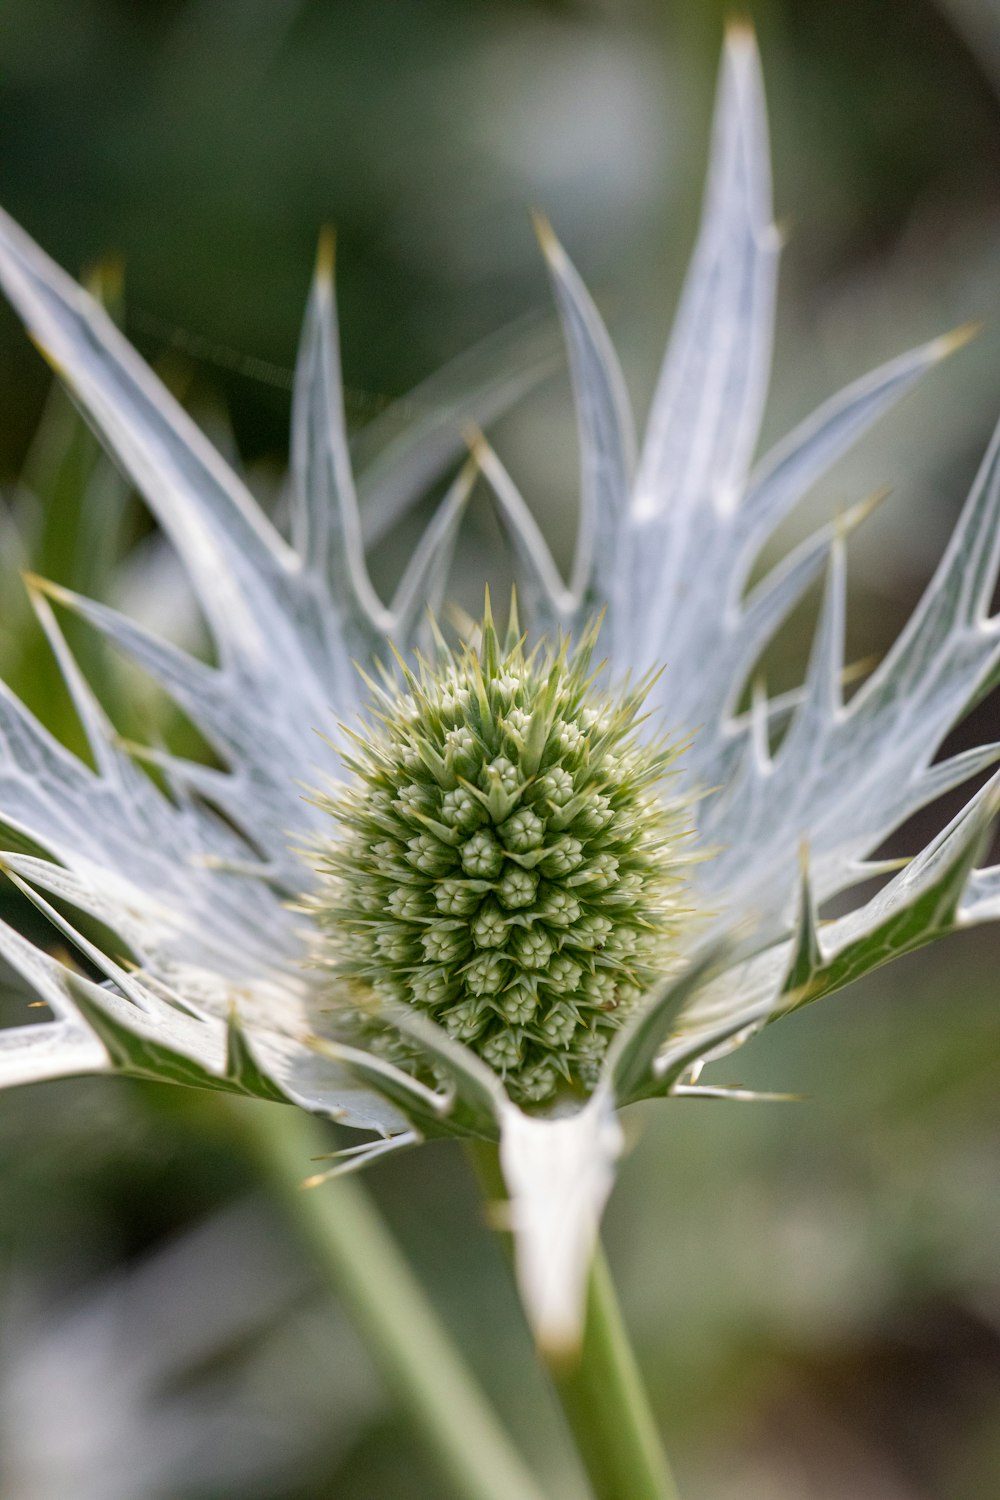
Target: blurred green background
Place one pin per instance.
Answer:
(815, 1288)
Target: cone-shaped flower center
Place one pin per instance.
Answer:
(505, 859)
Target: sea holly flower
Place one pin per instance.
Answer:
(481, 932)
(525, 893)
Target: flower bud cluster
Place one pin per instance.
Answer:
(506, 860)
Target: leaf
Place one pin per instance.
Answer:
(478, 1098)
(58, 1048)
(790, 469)
(157, 1050)
(286, 631)
(936, 893)
(696, 521)
(356, 1158)
(807, 955)
(604, 423)
(845, 779)
(235, 557)
(242, 1070)
(544, 597)
(326, 522)
(706, 411)
(187, 1036)
(420, 593)
(52, 1049)
(418, 1105)
(921, 904)
(629, 1072)
(406, 448)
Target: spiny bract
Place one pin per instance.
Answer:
(216, 991)
(505, 859)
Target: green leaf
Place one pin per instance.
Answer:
(242, 1069)
(630, 1070)
(135, 1048)
(921, 904)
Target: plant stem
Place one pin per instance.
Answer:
(415, 1355)
(606, 1405)
(601, 1392)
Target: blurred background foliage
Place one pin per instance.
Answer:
(815, 1288)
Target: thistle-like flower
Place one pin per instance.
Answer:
(508, 862)
(483, 931)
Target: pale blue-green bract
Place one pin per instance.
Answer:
(205, 978)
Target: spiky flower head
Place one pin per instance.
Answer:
(506, 859)
(217, 991)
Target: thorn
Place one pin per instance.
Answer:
(759, 709)
(847, 521)
(741, 35)
(546, 237)
(858, 669)
(326, 253)
(105, 279)
(948, 343)
(888, 866)
(36, 584)
(53, 362)
(513, 624)
(476, 443)
(460, 620)
(467, 476)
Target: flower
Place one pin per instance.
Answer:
(229, 983)
(506, 861)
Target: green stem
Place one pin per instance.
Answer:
(606, 1405)
(416, 1357)
(601, 1391)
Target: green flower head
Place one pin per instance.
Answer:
(507, 857)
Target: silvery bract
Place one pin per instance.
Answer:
(216, 993)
